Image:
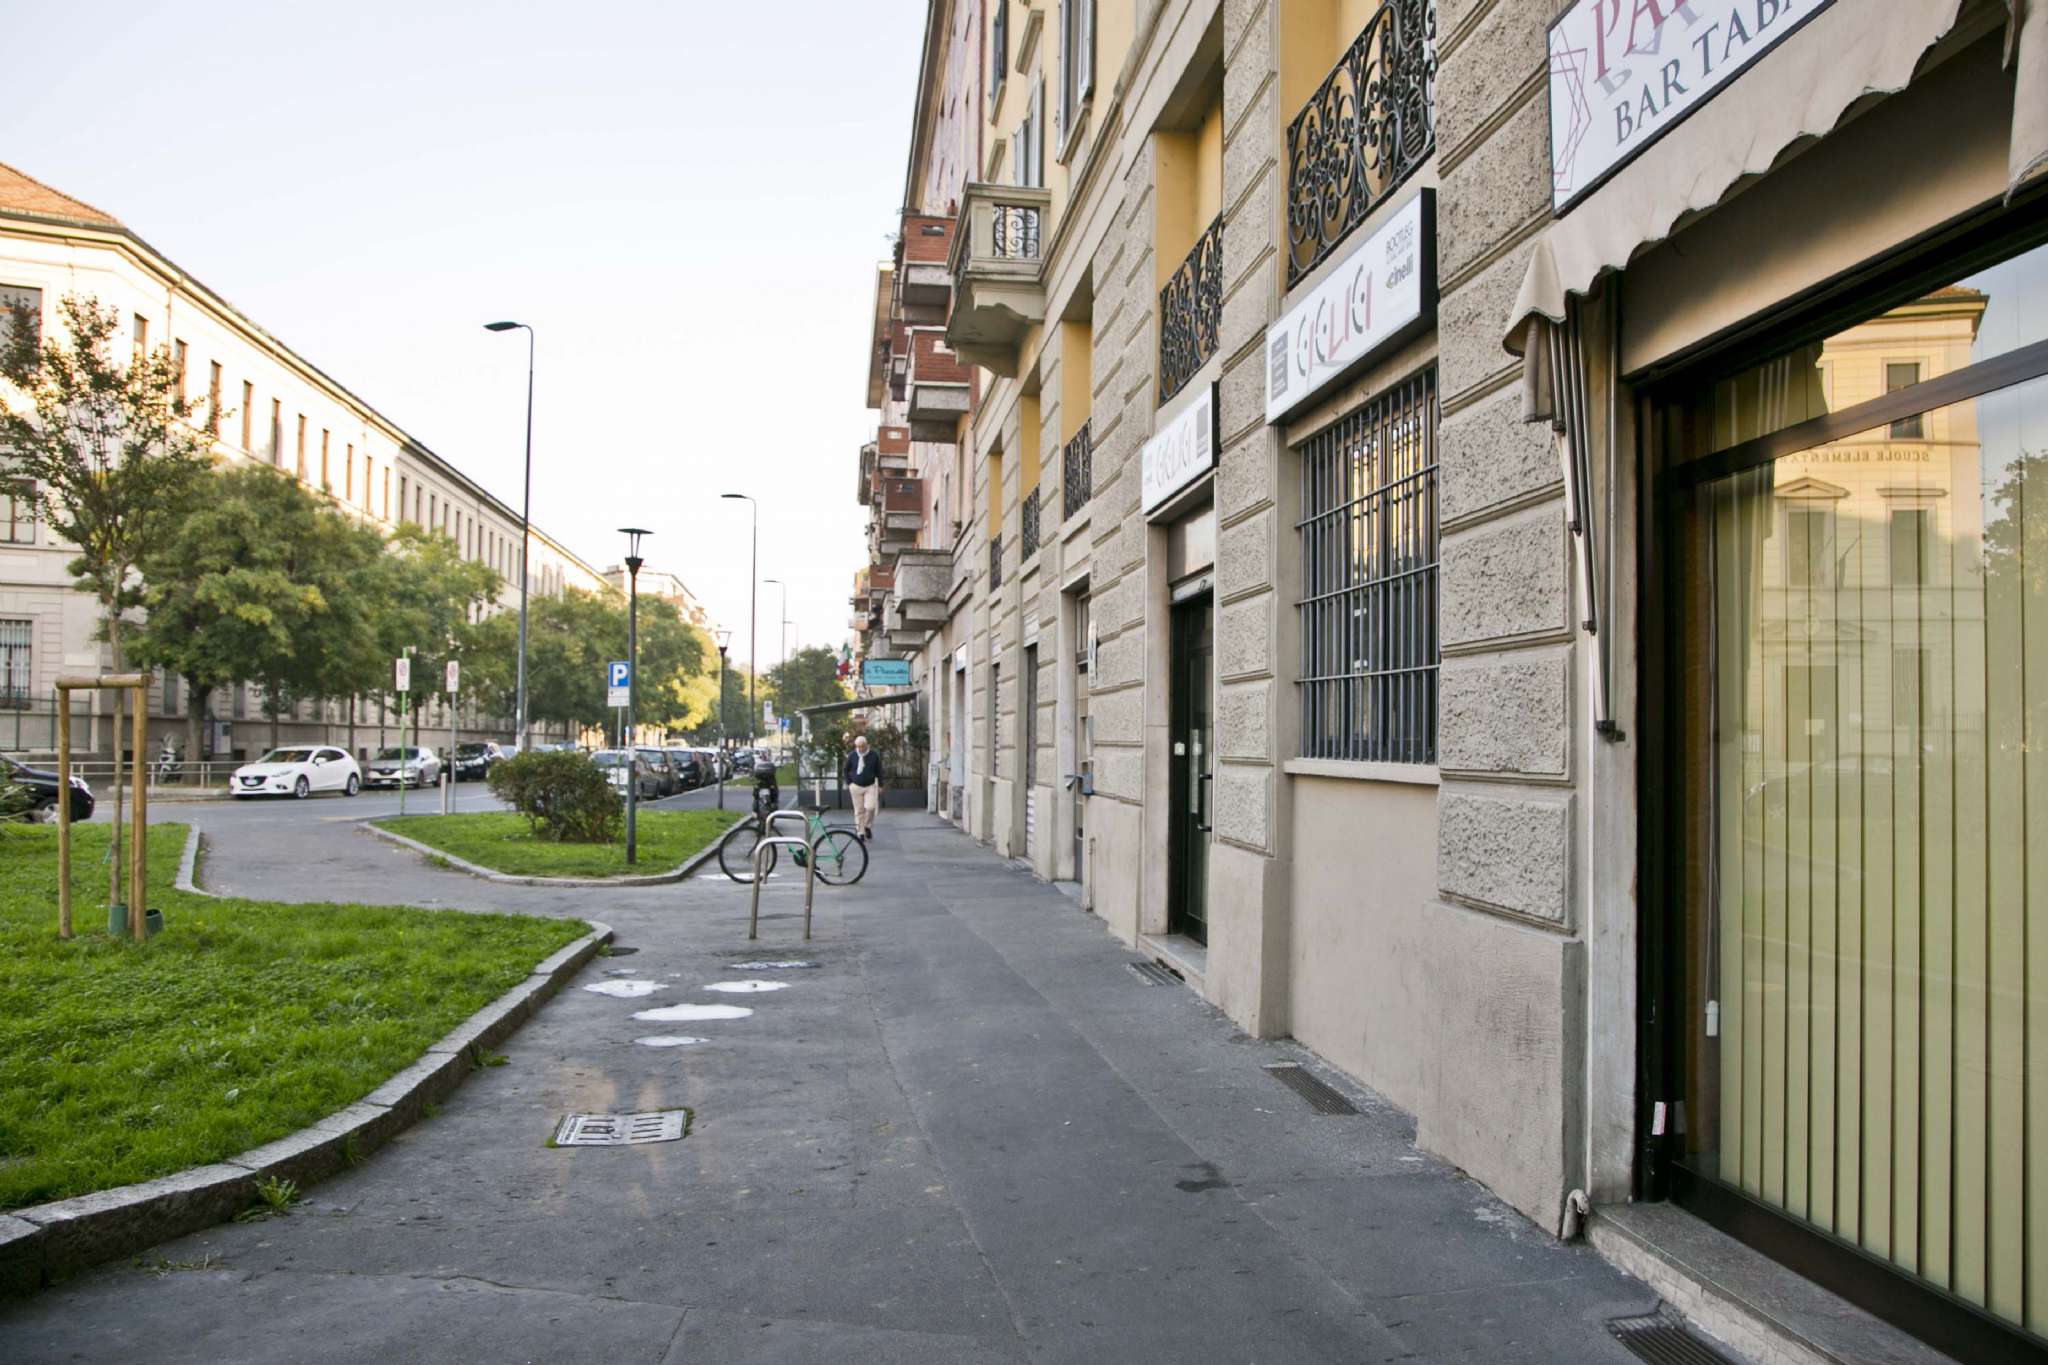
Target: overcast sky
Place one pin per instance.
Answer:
(686, 200)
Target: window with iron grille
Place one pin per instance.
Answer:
(14, 663)
(1368, 609)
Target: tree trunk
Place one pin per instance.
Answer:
(198, 694)
(112, 612)
(270, 709)
(354, 701)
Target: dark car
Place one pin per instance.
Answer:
(477, 759)
(666, 781)
(691, 771)
(41, 785)
(743, 761)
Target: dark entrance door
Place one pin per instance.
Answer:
(1188, 767)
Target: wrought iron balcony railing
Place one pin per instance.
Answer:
(1191, 312)
(998, 253)
(1366, 129)
(1077, 473)
(1028, 519)
(995, 562)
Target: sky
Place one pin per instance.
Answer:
(686, 204)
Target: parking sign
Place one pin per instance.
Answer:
(618, 683)
(454, 676)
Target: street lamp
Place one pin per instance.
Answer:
(724, 638)
(525, 526)
(753, 615)
(633, 562)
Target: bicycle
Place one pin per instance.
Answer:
(842, 857)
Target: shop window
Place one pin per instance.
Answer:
(15, 659)
(1904, 375)
(1368, 610)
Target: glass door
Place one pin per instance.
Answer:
(1188, 764)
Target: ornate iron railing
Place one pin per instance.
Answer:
(1191, 312)
(1013, 231)
(1077, 473)
(1369, 125)
(995, 562)
(1028, 517)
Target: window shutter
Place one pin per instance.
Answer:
(1035, 120)
(1084, 58)
(1018, 174)
(1062, 106)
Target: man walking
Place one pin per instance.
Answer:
(862, 775)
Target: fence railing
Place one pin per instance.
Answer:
(1027, 545)
(995, 561)
(1191, 312)
(1077, 473)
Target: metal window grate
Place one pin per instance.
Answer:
(1028, 527)
(1311, 1087)
(1077, 473)
(995, 562)
(1368, 612)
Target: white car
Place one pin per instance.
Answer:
(298, 771)
(404, 766)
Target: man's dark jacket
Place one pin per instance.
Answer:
(853, 775)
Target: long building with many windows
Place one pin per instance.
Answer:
(1493, 536)
(280, 410)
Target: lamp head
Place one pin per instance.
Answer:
(502, 326)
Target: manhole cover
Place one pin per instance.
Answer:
(622, 1130)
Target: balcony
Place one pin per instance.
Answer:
(867, 474)
(938, 389)
(1366, 129)
(1077, 473)
(1027, 519)
(923, 281)
(898, 514)
(899, 360)
(998, 257)
(917, 605)
(1191, 313)
(892, 448)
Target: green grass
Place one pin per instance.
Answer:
(242, 1022)
(500, 841)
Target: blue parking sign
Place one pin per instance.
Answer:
(618, 673)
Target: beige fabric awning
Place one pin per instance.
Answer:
(1800, 90)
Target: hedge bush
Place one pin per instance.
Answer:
(564, 796)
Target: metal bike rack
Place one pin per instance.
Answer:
(810, 846)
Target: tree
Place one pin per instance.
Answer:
(431, 596)
(108, 452)
(809, 677)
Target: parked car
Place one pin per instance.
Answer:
(618, 764)
(743, 761)
(404, 766)
(689, 768)
(41, 784)
(475, 760)
(667, 781)
(298, 770)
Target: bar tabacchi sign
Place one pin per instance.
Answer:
(1625, 72)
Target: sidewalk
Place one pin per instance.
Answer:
(970, 1134)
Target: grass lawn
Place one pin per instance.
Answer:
(242, 1022)
(500, 841)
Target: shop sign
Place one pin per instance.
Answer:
(1183, 451)
(885, 672)
(1625, 72)
(1383, 294)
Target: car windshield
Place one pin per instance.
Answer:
(608, 758)
(398, 753)
(287, 756)
(471, 750)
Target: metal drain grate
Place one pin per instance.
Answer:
(1152, 974)
(622, 1130)
(1664, 1340)
(1310, 1087)
(616, 951)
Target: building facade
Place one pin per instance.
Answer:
(1375, 494)
(279, 410)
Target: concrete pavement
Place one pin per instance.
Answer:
(969, 1134)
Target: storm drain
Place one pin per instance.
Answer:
(622, 1130)
(616, 951)
(1152, 974)
(1663, 1340)
(1310, 1087)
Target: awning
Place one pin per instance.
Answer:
(1800, 90)
(858, 703)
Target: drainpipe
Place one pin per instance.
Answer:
(1571, 1220)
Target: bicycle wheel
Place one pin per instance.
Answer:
(842, 858)
(736, 852)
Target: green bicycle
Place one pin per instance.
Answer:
(842, 857)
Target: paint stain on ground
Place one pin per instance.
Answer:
(666, 1040)
(1212, 1179)
(625, 990)
(770, 966)
(747, 987)
(678, 1014)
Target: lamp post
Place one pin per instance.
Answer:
(632, 745)
(525, 528)
(724, 638)
(753, 616)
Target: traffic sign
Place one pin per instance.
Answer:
(403, 668)
(618, 684)
(767, 713)
(454, 676)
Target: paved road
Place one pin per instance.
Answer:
(331, 807)
(970, 1134)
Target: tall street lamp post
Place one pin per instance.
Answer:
(525, 528)
(782, 638)
(724, 639)
(753, 616)
(632, 745)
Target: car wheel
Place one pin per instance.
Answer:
(42, 812)
(302, 789)
(355, 785)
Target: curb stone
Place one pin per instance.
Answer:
(70, 1234)
(674, 874)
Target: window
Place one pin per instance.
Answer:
(302, 447)
(998, 52)
(213, 399)
(15, 659)
(23, 307)
(170, 693)
(248, 413)
(1909, 546)
(1027, 144)
(1903, 375)
(277, 432)
(348, 472)
(387, 494)
(1368, 609)
(178, 368)
(1809, 549)
(18, 516)
(1077, 68)
(995, 690)
(325, 482)
(433, 509)
(141, 326)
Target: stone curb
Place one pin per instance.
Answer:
(188, 867)
(71, 1234)
(674, 874)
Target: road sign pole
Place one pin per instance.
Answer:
(402, 667)
(454, 726)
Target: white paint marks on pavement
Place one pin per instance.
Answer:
(625, 990)
(790, 966)
(746, 987)
(680, 1014)
(666, 1040)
